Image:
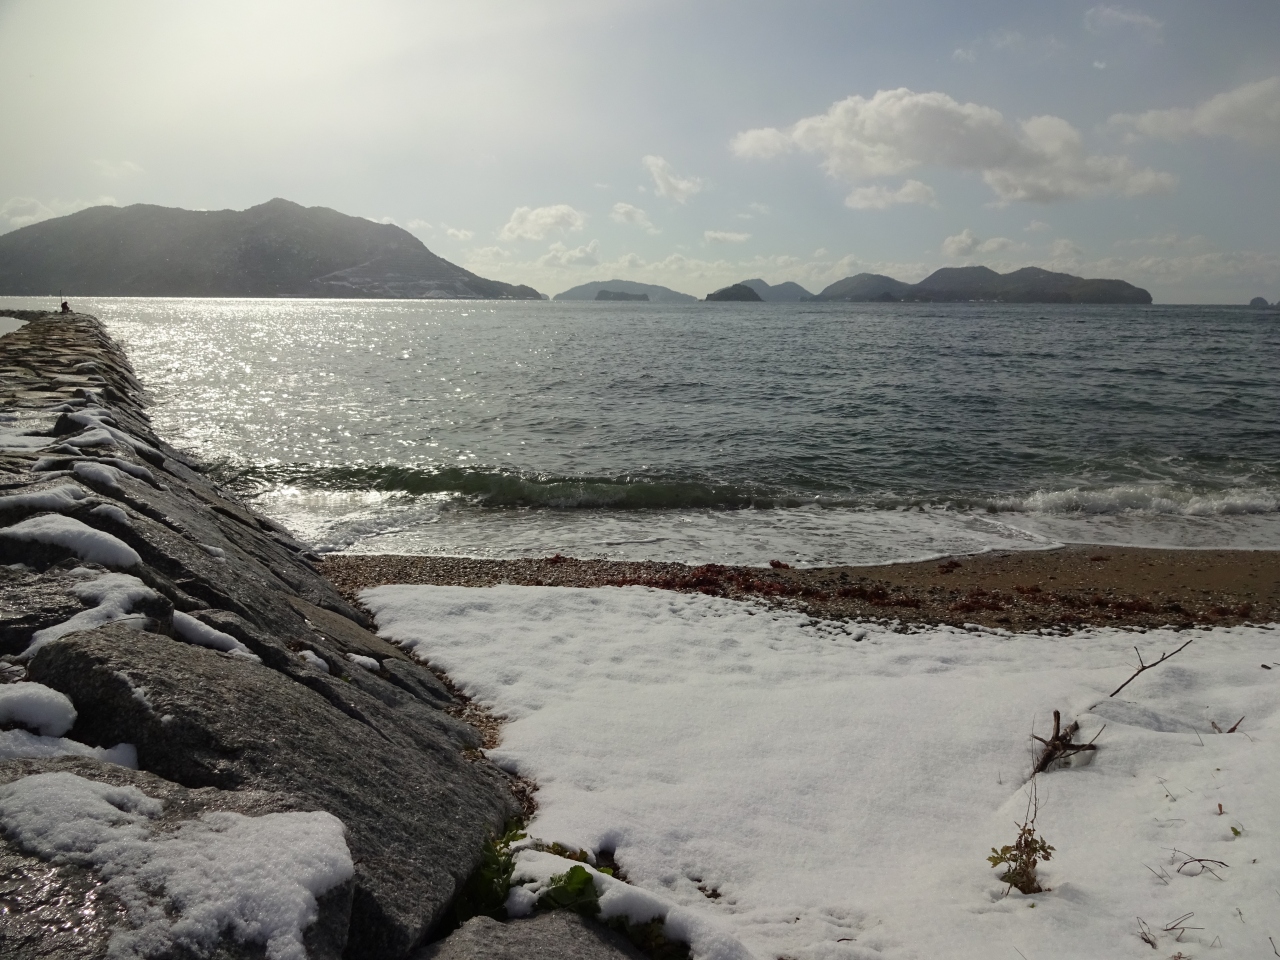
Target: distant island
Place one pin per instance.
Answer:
(620, 295)
(276, 249)
(737, 293)
(786, 292)
(953, 284)
(589, 291)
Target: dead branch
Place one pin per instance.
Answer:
(1059, 746)
(1145, 934)
(1144, 667)
(1235, 726)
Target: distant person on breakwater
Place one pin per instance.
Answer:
(66, 307)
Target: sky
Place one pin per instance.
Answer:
(691, 144)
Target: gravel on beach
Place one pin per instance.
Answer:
(1062, 589)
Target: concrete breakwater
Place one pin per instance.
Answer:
(204, 751)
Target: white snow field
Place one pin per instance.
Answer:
(839, 788)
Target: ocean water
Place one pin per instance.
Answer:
(736, 433)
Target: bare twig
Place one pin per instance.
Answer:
(1180, 927)
(1273, 947)
(1163, 879)
(1236, 725)
(1059, 746)
(1144, 667)
(1145, 934)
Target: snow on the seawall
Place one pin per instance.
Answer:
(65, 496)
(21, 745)
(192, 630)
(90, 545)
(47, 711)
(114, 596)
(828, 791)
(256, 878)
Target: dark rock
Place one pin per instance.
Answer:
(558, 935)
(417, 812)
(738, 293)
(66, 912)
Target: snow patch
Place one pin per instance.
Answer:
(114, 596)
(193, 631)
(315, 660)
(47, 711)
(21, 745)
(367, 662)
(255, 878)
(65, 496)
(90, 545)
(111, 512)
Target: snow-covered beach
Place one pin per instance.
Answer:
(778, 786)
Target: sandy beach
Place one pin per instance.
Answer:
(1062, 589)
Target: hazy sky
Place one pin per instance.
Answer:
(689, 143)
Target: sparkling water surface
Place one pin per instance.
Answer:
(814, 433)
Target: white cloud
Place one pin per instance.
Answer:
(420, 226)
(966, 243)
(961, 245)
(1104, 19)
(1042, 159)
(1099, 65)
(879, 198)
(534, 223)
(1066, 250)
(964, 56)
(1036, 226)
(116, 169)
(464, 235)
(760, 208)
(667, 184)
(24, 211)
(558, 256)
(724, 236)
(633, 215)
(390, 220)
(1250, 113)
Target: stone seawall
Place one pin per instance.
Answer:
(148, 619)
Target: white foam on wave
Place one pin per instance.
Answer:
(1158, 499)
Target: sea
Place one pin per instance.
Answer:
(811, 433)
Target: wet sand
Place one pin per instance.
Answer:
(1062, 589)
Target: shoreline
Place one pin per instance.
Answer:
(1061, 589)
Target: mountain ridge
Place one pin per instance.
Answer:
(952, 284)
(275, 249)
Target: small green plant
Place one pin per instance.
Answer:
(573, 890)
(485, 892)
(1020, 857)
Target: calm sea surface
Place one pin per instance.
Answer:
(813, 433)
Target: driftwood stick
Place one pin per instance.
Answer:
(1144, 667)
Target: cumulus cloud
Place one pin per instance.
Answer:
(1103, 19)
(419, 225)
(879, 198)
(1036, 226)
(1249, 113)
(534, 223)
(725, 236)
(632, 215)
(962, 55)
(558, 256)
(24, 211)
(1042, 159)
(667, 183)
(966, 243)
(463, 235)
